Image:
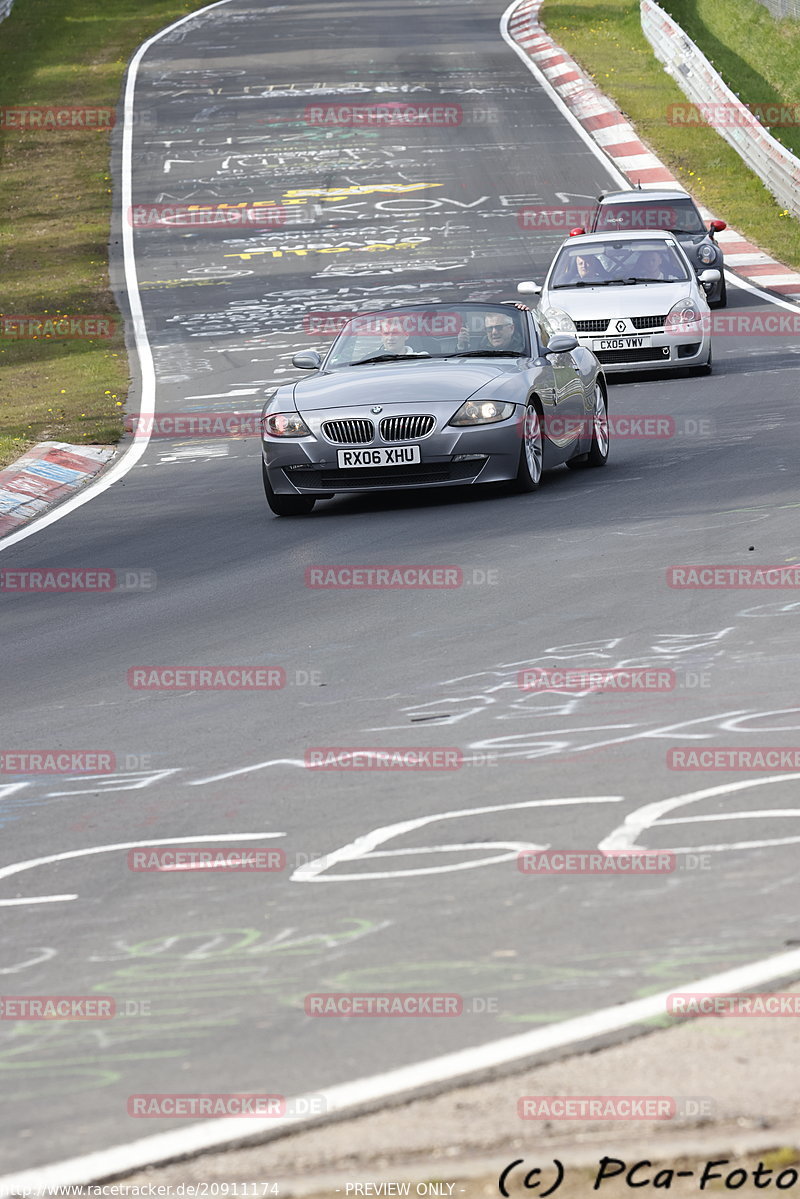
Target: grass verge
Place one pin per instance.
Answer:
(747, 45)
(55, 205)
(606, 38)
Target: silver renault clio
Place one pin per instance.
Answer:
(631, 298)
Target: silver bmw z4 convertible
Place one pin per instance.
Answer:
(433, 396)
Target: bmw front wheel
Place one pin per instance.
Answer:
(531, 451)
(598, 452)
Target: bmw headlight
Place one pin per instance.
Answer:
(482, 412)
(707, 254)
(286, 424)
(559, 321)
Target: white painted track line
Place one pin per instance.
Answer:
(147, 405)
(369, 1092)
(449, 1069)
(544, 82)
(143, 351)
(608, 163)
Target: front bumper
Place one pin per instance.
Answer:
(665, 350)
(449, 457)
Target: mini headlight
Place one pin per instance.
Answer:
(286, 424)
(482, 412)
(707, 254)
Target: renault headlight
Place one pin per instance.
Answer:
(685, 318)
(559, 321)
(685, 312)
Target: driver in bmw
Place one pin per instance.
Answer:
(499, 331)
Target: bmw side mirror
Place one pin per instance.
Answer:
(307, 360)
(529, 288)
(561, 343)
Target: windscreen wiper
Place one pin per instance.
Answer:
(391, 358)
(487, 353)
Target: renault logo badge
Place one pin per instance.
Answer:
(620, 326)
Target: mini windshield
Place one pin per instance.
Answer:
(440, 331)
(603, 264)
(673, 216)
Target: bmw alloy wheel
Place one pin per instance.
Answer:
(530, 459)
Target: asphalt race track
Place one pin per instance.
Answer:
(214, 967)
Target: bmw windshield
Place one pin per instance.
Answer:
(440, 331)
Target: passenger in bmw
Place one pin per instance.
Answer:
(395, 341)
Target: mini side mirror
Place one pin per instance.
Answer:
(307, 360)
(576, 232)
(716, 227)
(709, 277)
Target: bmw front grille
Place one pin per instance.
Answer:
(357, 431)
(406, 428)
